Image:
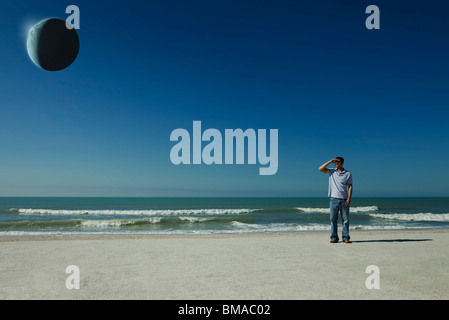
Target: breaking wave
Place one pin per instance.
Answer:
(326, 210)
(434, 217)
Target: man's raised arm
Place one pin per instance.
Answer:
(323, 167)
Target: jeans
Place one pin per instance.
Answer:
(336, 206)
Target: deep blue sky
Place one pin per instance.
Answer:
(310, 69)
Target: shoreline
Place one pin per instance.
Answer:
(212, 235)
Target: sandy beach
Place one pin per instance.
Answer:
(411, 265)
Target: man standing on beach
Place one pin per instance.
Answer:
(340, 193)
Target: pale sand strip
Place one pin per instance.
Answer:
(412, 264)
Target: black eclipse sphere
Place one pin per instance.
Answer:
(51, 45)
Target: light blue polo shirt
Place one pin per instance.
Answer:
(338, 183)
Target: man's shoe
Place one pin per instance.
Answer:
(347, 241)
(334, 241)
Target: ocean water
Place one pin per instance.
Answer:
(21, 216)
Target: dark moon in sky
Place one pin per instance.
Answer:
(51, 45)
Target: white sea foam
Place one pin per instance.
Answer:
(117, 223)
(326, 210)
(129, 222)
(291, 227)
(155, 212)
(436, 217)
(195, 219)
(277, 227)
(240, 228)
(101, 223)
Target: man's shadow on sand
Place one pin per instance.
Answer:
(392, 240)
